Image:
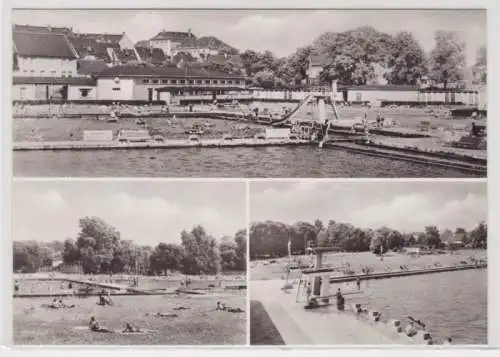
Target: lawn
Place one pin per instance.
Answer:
(276, 268)
(262, 329)
(199, 324)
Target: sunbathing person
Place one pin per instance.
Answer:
(130, 328)
(234, 309)
(161, 314)
(95, 327)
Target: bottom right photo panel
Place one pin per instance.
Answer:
(368, 263)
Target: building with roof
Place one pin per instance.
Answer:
(151, 83)
(56, 89)
(43, 54)
(111, 48)
(204, 47)
(167, 41)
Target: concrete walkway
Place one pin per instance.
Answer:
(324, 326)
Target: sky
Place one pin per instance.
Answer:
(143, 211)
(281, 31)
(406, 206)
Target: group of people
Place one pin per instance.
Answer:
(94, 326)
(223, 307)
(104, 300)
(59, 304)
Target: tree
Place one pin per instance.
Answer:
(479, 69)
(240, 239)
(228, 254)
(407, 60)
(201, 252)
(447, 59)
(166, 257)
(447, 235)
(350, 56)
(265, 79)
(380, 241)
(432, 237)
(479, 236)
(71, 254)
(395, 240)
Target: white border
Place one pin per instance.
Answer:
(5, 140)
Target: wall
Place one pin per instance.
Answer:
(46, 67)
(74, 93)
(165, 45)
(24, 92)
(105, 88)
(36, 92)
(196, 52)
(374, 95)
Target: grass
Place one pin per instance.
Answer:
(200, 324)
(262, 329)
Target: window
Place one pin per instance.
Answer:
(42, 71)
(33, 71)
(164, 81)
(222, 82)
(116, 89)
(215, 81)
(207, 81)
(145, 81)
(199, 81)
(154, 81)
(229, 82)
(190, 81)
(174, 81)
(84, 92)
(182, 81)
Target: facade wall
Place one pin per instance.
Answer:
(78, 92)
(110, 89)
(24, 92)
(377, 95)
(165, 45)
(200, 54)
(46, 67)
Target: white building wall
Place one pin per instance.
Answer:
(75, 93)
(111, 89)
(46, 67)
(23, 92)
(165, 45)
(376, 95)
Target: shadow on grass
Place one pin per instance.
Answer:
(262, 329)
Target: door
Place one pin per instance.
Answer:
(150, 94)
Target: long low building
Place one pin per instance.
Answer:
(162, 83)
(53, 89)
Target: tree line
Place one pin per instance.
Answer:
(98, 248)
(270, 238)
(363, 56)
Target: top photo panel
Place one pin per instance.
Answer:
(249, 93)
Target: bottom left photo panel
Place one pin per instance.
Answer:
(103, 262)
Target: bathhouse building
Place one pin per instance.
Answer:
(149, 83)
